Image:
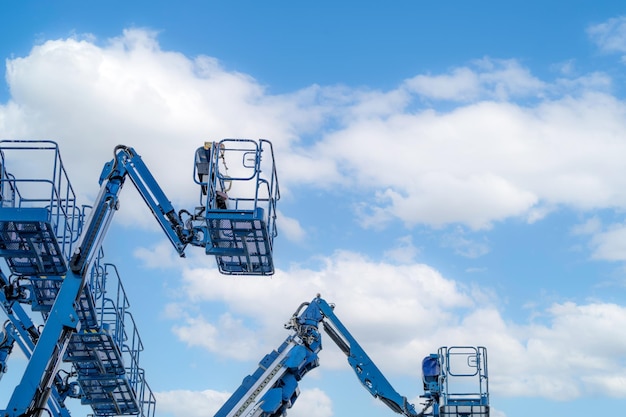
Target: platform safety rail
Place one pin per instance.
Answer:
(464, 381)
(239, 192)
(38, 212)
(105, 352)
(40, 223)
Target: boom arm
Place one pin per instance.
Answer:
(368, 373)
(63, 321)
(127, 162)
(273, 388)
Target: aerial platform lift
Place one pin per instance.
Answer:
(54, 262)
(456, 382)
(455, 379)
(239, 203)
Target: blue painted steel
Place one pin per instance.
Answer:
(464, 381)
(267, 388)
(105, 353)
(368, 373)
(53, 250)
(7, 340)
(32, 234)
(456, 382)
(36, 192)
(128, 162)
(33, 391)
(28, 242)
(20, 329)
(273, 388)
(238, 194)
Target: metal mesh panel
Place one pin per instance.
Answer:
(465, 411)
(31, 248)
(241, 246)
(109, 396)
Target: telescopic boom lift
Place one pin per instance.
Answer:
(273, 388)
(53, 255)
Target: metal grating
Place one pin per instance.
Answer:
(94, 354)
(465, 411)
(241, 246)
(109, 396)
(30, 247)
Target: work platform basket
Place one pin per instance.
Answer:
(464, 381)
(39, 218)
(239, 192)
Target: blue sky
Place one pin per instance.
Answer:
(450, 174)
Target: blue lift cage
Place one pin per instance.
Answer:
(40, 226)
(40, 222)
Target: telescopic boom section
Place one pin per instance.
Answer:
(273, 387)
(155, 198)
(63, 320)
(368, 373)
(48, 240)
(126, 163)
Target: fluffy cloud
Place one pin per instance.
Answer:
(480, 161)
(90, 98)
(435, 150)
(486, 161)
(497, 79)
(566, 351)
(206, 403)
(411, 314)
(190, 403)
(610, 35)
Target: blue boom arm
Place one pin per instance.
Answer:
(29, 398)
(127, 163)
(368, 373)
(273, 387)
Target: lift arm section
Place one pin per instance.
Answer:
(29, 398)
(368, 373)
(273, 387)
(127, 162)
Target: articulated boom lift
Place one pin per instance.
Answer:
(273, 388)
(54, 262)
